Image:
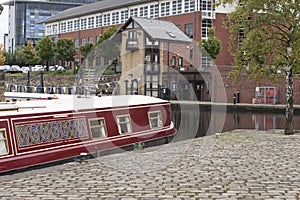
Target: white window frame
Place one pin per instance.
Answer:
(206, 24)
(70, 26)
(115, 18)
(155, 121)
(91, 22)
(189, 6)
(100, 126)
(154, 11)
(3, 143)
(126, 122)
(83, 23)
(76, 24)
(106, 19)
(134, 12)
(98, 21)
(206, 61)
(63, 27)
(124, 16)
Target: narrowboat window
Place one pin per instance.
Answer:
(124, 125)
(98, 128)
(3, 143)
(155, 119)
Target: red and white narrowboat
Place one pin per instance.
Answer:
(43, 131)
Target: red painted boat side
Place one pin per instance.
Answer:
(24, 153)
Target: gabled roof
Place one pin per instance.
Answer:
(97, 7)
(158, 29)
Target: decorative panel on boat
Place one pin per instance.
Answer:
(50, 131)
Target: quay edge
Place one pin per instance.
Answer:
(239, 107)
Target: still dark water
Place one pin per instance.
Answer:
(193, 121)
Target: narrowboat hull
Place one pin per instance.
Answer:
(41, 136)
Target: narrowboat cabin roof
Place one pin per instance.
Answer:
(71, 102)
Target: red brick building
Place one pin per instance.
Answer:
(193, 17)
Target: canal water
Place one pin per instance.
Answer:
(194, 121)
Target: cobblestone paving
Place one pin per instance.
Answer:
(242, 164)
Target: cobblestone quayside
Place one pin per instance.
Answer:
(242, 164)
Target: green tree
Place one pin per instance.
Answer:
(17, 56)
(212, 45)
(65, 50)
(2, 57)
(86, 49)
(106, 46)
(107, 34)
(46, 49)
(29, 55)
(8, 57)
(271, 42)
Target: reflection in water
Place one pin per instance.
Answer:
(190, 122)
(189, 127)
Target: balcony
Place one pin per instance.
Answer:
(208, 14)
(132, 45)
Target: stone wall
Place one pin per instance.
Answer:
(35, 80)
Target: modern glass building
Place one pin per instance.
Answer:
(24, 16)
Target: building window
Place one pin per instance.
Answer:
(115, 18)
(132, 35)
(83, 41)
(206, 5)
(91, 22)
(70, 26)
(173, 61)
(3, 143)
(206, 24)
(132, 43)
(133, 12)
(176, 7)
(48, 30)
(174, 86)
(191, 57)
(189, 30)
(165, 9)
(206, 61)
(124, 16)
(83, 24)
(144, 11)
(63, 27)
(91, 40)
(152, 84)
(189, 6)
(106, 61)
(76, 24)
(124, 124)
(106, 19)
(98, 128)
(155, 119)
(180, 61)
(76, 43)
(154, 11)
(55, 29)
(98, 20)
(98, 60)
